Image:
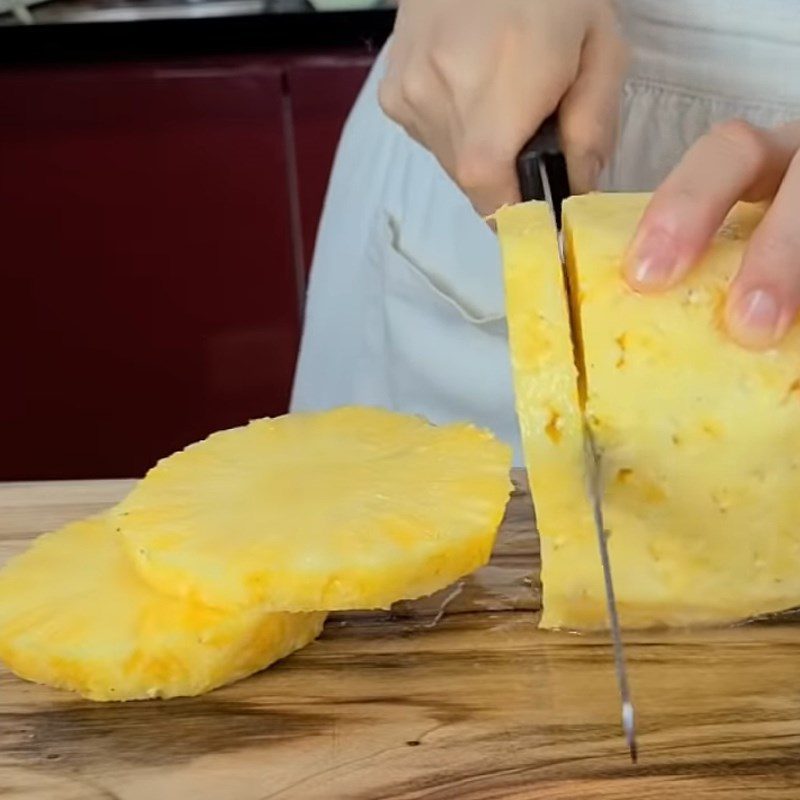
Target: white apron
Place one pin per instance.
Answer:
(405, 305)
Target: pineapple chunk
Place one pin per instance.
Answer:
(74, 614)
(700, 438)
(351, 508)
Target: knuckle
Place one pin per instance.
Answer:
(388, 98)
(445, 62)
(683, 212)
(777, 248)
(475, 168)
(415, 89)
(514, 38)
(698, 208)
(747, 142)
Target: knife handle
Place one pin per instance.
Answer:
(543, 149)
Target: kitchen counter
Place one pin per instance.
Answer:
(458, 696)
(101, 30)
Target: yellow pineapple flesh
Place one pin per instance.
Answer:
(75, 614)
(348, 509)
(546, 390)
(700, 438)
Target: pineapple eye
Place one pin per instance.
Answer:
(624, 475)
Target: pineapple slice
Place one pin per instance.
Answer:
(700, 438)
(346, 509)
(546, 388)
(74, 614)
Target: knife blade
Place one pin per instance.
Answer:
(594, 490)
(542, 172)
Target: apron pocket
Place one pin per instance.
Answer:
(473, 310)
(447, 355)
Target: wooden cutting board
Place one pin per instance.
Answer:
(457, 697)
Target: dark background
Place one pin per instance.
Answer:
(161, 183)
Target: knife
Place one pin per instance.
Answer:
(542, 173)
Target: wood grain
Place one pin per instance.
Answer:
(458, 697)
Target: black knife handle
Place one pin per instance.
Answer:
(544, 149)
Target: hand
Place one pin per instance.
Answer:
(735, 161)
(472, 80)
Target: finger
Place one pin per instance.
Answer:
(492, 134)
(765, 296)
(730, 162)
(390, 97)
(417, 102)
(490, 127)
(589, 112)
(486, 172)
(485, 163)
(479, 157)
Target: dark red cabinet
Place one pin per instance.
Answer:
(322, 92)
(149, 291)
(157, 224)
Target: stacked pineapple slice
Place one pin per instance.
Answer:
(227, 556)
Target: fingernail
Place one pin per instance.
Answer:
(757, 319)
(653, 262)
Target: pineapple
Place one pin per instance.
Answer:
(546, 387)
(348, 509)
(75, 614)
(226, 557)
(700, 438)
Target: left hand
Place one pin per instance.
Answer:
(735, 161)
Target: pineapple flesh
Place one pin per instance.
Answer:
(227, 556)
(75, 614)
(354, 508)
(700, 438)
(546, 383)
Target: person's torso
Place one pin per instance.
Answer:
(736, 49)
(695, 64)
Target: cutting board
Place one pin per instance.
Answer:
(458, 696)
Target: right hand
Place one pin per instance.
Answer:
(472, 81)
